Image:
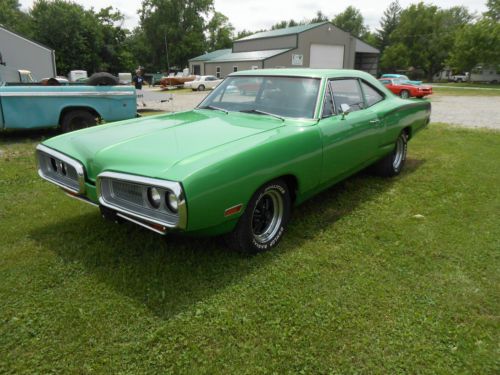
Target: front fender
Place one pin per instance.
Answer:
(218, 183)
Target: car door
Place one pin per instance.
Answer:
(351, 140)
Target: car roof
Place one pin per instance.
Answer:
(303, 72)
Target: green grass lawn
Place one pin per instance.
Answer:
(470, 84)
(375, 276)
(459, 91)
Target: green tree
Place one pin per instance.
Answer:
(395, 56)
(476, 44)
(319, 17)
(351, 20)
(114, 56)
(388, 24)
(220, 32)
(285, 24)
(428, 33)
(71, 30)
(493, 12)
(179, 24)
(244, 33)
(13, 18)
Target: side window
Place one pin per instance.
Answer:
(372, 96)
(328, 107)
(347, 91)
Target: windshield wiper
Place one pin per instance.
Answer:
(214, 108)
(258, 111)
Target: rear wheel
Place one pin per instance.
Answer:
(201, 88)
(264, 221)
(77, 119)
(392, 164)
(405, 94)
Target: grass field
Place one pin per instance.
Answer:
(375, 276)
(461, 91)
(471, 85)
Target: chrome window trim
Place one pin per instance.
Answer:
(174, 186)
(80, 170)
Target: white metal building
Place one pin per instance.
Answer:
(19, 52)
(318, 45)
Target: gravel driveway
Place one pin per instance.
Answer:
(467, 111)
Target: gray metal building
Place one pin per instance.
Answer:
(318, 45)
(19, 52)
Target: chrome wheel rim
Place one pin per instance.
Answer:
(267, 216)
(404, 94)
(399, 154)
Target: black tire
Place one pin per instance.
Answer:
(77, 119)
(405, 94)
(53, 82)
(102, 79)
(391, 164)
(264, 221)
(201, 88)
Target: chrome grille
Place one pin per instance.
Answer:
(130, 197)
(127, 192)
(60, 169)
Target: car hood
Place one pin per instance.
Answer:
(152, 145)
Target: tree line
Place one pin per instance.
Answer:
(421, 36)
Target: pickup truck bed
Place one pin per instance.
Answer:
(71, 107)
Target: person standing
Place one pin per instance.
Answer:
(138, 82)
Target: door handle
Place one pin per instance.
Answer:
(374, 121)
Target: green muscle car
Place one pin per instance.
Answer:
(261, 142)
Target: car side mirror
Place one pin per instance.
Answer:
(345, 109)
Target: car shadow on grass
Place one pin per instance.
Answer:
(168, 275)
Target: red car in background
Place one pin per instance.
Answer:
(406, 90)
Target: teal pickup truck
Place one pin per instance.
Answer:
(71, 107)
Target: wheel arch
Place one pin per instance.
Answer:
(69, 109)
(408, 131)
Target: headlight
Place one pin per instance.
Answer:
(172, 201)
(154, 197)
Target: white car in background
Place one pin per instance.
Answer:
(202, 83)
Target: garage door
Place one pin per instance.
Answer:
(327, 56)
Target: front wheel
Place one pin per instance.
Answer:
(405, 94)
(392, 164)
(264, 221)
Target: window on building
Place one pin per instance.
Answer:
(347, 91)
(255, 67)
(235, 68)
(217, 71)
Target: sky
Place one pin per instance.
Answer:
(262, 14)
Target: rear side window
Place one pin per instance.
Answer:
(372, 96)
(347, 91)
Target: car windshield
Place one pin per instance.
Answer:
(280, 96)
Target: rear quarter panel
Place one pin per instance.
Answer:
(399, 114)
